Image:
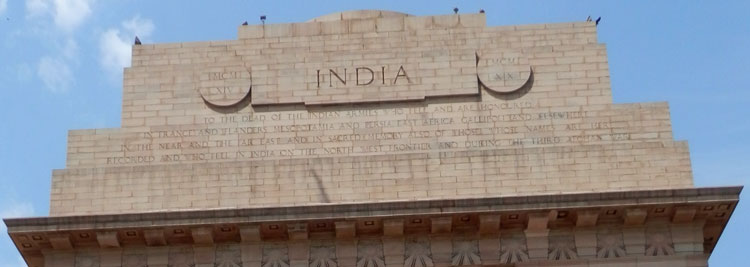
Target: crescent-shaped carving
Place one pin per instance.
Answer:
(226, 89)
(511, 87)
(503, 72)
(231, 104)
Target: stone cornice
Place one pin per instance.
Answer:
(704, 212)
(377, 209)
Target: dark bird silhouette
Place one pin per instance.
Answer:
(244, 23)
(597, 20)
(455, 10)
(588, 19)
(263, 19)
(137, 41)
(481, 11)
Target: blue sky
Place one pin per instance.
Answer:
(61, 68)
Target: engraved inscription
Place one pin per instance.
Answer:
(361, 76)
(502, 71)
(370, 130)
(322, 78)
(224, 88)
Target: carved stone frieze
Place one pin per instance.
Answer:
(228, 255)
(417, 252)
(323, 253)
(357, 240)
(513, 248)
(465, 252)
(370, 253)
(275, 255)
(659, 241)
(562, 245)
(609, 243)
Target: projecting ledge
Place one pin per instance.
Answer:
(379, 209)
(704, 211)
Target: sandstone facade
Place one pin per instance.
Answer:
(374, 138)
(433, 107)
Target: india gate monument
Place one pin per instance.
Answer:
(378, 139)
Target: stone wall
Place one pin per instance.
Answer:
(375, 109)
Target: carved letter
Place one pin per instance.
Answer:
(372, 75)
(401, 70)
(332, 73)
(382, 73)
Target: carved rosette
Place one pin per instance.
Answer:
(370, 253)
(562, 246)
(417, 252)
(659, 241)
(609, 244)
(465, 252)
(228, 256)
(275, 255)
(513, 248)
(323, 254)
(181, 257)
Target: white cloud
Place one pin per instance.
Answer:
(55, 74)
(35, 8)
(115, 43)
(138, 26)
(115, 51)
(70, 13)
(3, 6)
(56, 70)
(67, 14)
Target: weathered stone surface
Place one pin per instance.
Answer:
(335, 235)
(376, 138)
(382, 107)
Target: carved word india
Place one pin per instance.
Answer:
(362, 76)
(359, 76)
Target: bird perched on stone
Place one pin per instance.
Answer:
(455, 10)
(588, 19)
(244, 23)
(481, 11)
(137, 41)
(597, 20)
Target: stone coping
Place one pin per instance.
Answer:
(359, 14)
(376, 209)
